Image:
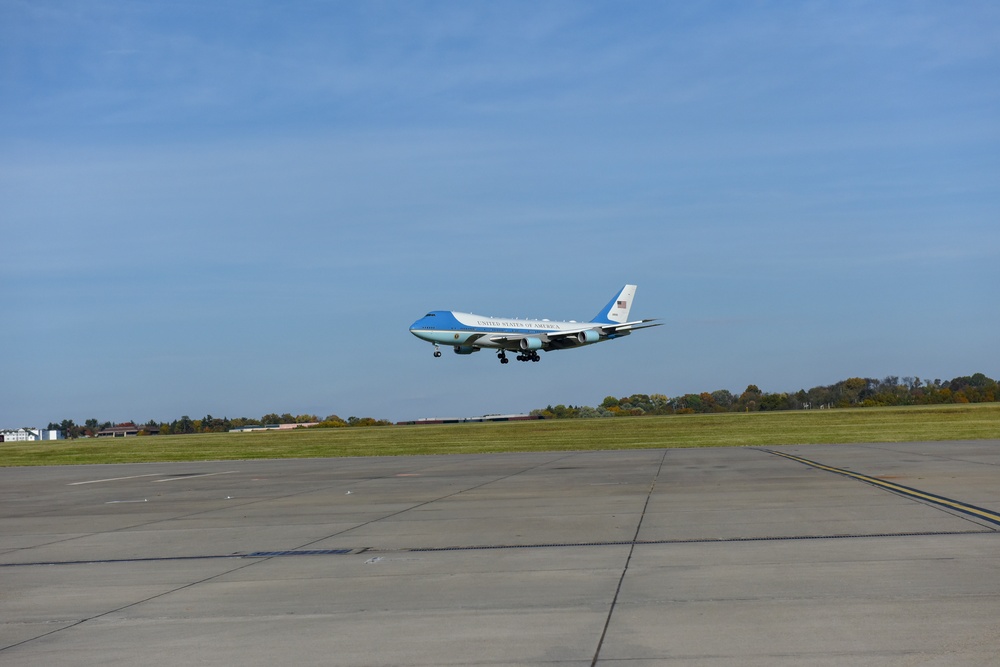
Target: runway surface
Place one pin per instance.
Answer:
(883, 554)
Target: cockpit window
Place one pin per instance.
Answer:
(429, 315)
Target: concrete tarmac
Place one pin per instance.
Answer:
(721, 557)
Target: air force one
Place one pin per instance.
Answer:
(468, 333)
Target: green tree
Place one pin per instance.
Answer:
(819, 397)
(332, 421)
(210, 424)
(69, 428)
(724, 399)
(689, 404)
(182, 425)
(769, 402)
(367, 421)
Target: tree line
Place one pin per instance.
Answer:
(849, 393)
(210, 424)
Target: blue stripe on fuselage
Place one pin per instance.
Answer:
(436, 320)
(441, 326)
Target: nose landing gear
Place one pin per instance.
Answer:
(437, 352)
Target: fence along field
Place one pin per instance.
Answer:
(866, 425)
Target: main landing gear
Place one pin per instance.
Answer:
(524, 356)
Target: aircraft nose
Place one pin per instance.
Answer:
(416, 331)
(424, 327)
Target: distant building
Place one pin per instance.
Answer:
(119, 431)
(29, 434)
(127, 430)
(470, 420)
(270, 427)
(254, 427)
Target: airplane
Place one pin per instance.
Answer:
(468, 333)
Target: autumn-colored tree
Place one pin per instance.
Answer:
(749, 400)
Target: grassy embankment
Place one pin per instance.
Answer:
(910, 424)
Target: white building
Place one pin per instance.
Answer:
(29, 434)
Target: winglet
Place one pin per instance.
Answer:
(616, 312)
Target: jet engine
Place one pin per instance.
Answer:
(531, 343)
(588, 336)
(465, 349)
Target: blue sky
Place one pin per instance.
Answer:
(234, 208)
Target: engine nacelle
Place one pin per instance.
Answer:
(531, 343)
(588, 336)
(465, 349)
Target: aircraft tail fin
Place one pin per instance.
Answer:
(616, 312)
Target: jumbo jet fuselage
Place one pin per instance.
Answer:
(468, 333)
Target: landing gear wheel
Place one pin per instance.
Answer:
(437, 352)
(502, 356)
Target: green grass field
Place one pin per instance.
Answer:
(910, 424)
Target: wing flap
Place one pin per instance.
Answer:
(631, 326)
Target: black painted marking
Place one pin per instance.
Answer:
(492, 547)
(910, 492)
(692, 540)
(98, 561)
(298, 552)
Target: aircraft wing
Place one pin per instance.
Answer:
(630, 326)
(515, 339)
(604, 329)
(558, 338)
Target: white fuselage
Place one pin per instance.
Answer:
(468, 332)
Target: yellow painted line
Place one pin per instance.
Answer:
(988, 515)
